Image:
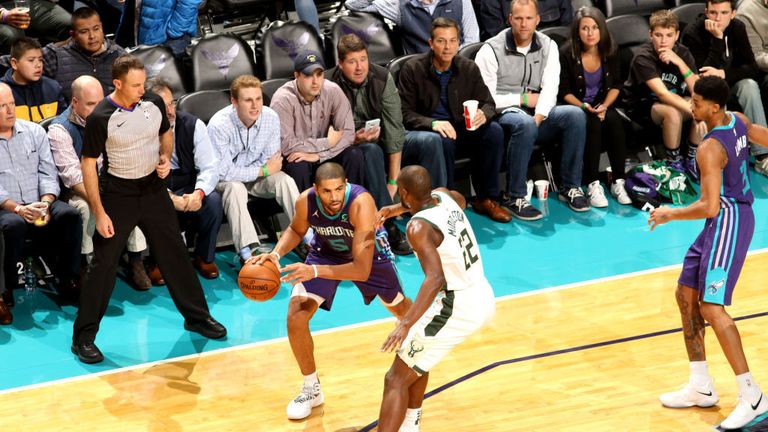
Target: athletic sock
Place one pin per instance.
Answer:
(692, 150)
(748, 388)
(311, 379)
(699, 373)
(673, 154)
(412, 416)
(245, 252)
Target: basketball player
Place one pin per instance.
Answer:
(346, 246)
(713, 263)
(454, 301)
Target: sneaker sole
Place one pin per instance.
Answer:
(322, 401)
(565, 200)
(534, 218)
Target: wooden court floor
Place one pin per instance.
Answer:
(590, 357)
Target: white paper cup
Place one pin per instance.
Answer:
(542, 189)
(470, 109)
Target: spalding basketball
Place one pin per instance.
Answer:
(259, 282)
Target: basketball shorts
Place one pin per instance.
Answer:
(383, 282)
(452, 318)
(714, 261)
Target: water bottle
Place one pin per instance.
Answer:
(30, 279)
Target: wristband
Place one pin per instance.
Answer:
(392, 182)
(583, 105)
(264, 171)
(525, 99)
(314, 267)
(202, 194)
(276, 255)
(433, 123)
(18, 208)
(687, 74)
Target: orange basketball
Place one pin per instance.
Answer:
(259, 282)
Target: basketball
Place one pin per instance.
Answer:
(259, 282)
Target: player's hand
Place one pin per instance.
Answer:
(261, 258)
(710, 71)
(387, 212)
(395, 339)
(104, 225)
(659, 216)
(297, 273)
(445, 129)
(301, 156)
(163, 167)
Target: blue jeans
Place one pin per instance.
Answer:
(375, 173)
(565, 123)
(425, 148)
(307, 12)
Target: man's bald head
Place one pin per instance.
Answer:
(415, 181)
(7, 108)
(86, 94)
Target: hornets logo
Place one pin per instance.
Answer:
(715, 286)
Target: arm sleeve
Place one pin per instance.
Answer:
(205, 159)
(469, 28)
(550, 82)
(756, 42)
(412, 120)
(492, 16)
(392, 131)
(389, 9)
(744, 65)
(48, 178)
(95, 136)
(64, 156)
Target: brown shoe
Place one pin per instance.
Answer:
(207, 270)
(5, 314)
(492, 209)
(155, 276)
(139, 276)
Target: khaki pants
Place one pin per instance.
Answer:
(136, 241)
(234, 196)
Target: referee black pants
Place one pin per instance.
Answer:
(144, 203)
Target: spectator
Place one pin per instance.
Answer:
(529, 113)
(414, 18)
(28, 205)
(661, 74)
(246, 138)
(307, 12)
(66, 137)
(720, 46)
(159, 22)
(373, 95)
(754, 14)
(494, 15)
(191, 183)
(36, 97)
(589, 79)
(433, 87)
(316, 124)
(6, 317)
(45, 20)
(86, 53)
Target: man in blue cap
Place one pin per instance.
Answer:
(316, 123)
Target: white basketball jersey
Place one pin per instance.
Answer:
(459, 251)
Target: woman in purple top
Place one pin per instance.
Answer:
(590, 79)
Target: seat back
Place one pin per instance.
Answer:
(283, 41)
(45, 123)
(629, 32)
(160, 62)
(218, 59)
(559, 34)
(396, 63)
(614, 8)
(688, 13)
(371, 29)
(470, 51)
(269, 87)
(204, 104)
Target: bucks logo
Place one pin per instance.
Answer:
(415, 348)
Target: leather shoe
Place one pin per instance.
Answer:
(8, 298)
(207, 270)
(87, 352)
(155, 276)
(139, 279)
(5, 314)
(492, 209)
(209, 328)
(397, 241)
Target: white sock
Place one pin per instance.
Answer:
(699, 373)
(748, 388)
(311, 379)
(412, 418)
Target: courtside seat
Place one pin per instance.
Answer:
(470, 51)
(218, 59)
(160, 62)
(559, 34)
(613, 8)
(371, 29)
(204, 104)
(688, 13)
(282, 42)
(397, 63)
(269, 87)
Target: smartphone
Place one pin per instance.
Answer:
(370, 124)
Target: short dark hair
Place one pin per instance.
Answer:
(348, 44)
(605, 47)
(21, 45)
(732, 2)
(329, 171)
(713, 89)
(83, 13)
(157, 84)
(443, 22)
(125, 63)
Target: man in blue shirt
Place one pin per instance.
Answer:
(246, 138)
(28, 207)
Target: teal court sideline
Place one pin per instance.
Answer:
(563, 248)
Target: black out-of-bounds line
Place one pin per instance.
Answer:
(494, 365)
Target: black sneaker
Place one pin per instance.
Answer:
(522, 209)
(575, 199)
(397, 241)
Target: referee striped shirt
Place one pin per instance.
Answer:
(129, 138)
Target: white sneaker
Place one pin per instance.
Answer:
(596, 194)
(745, 412)
(618, 192)
(689, 396)
(762, 166)
(301, 407)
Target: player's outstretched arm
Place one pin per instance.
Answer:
(710, 158)
(424, 240)
(291, 236)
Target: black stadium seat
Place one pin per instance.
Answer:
(629, 32)
(218, 59)
(269, 87)
(396, 63)
(160, 62)
(204, 104)
(283, 41)
(470, 51)
(614, 8)
(371, 29)
(559, 34)
(688, 13)
(45, 123)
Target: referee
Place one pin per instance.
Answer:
(131, 130)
